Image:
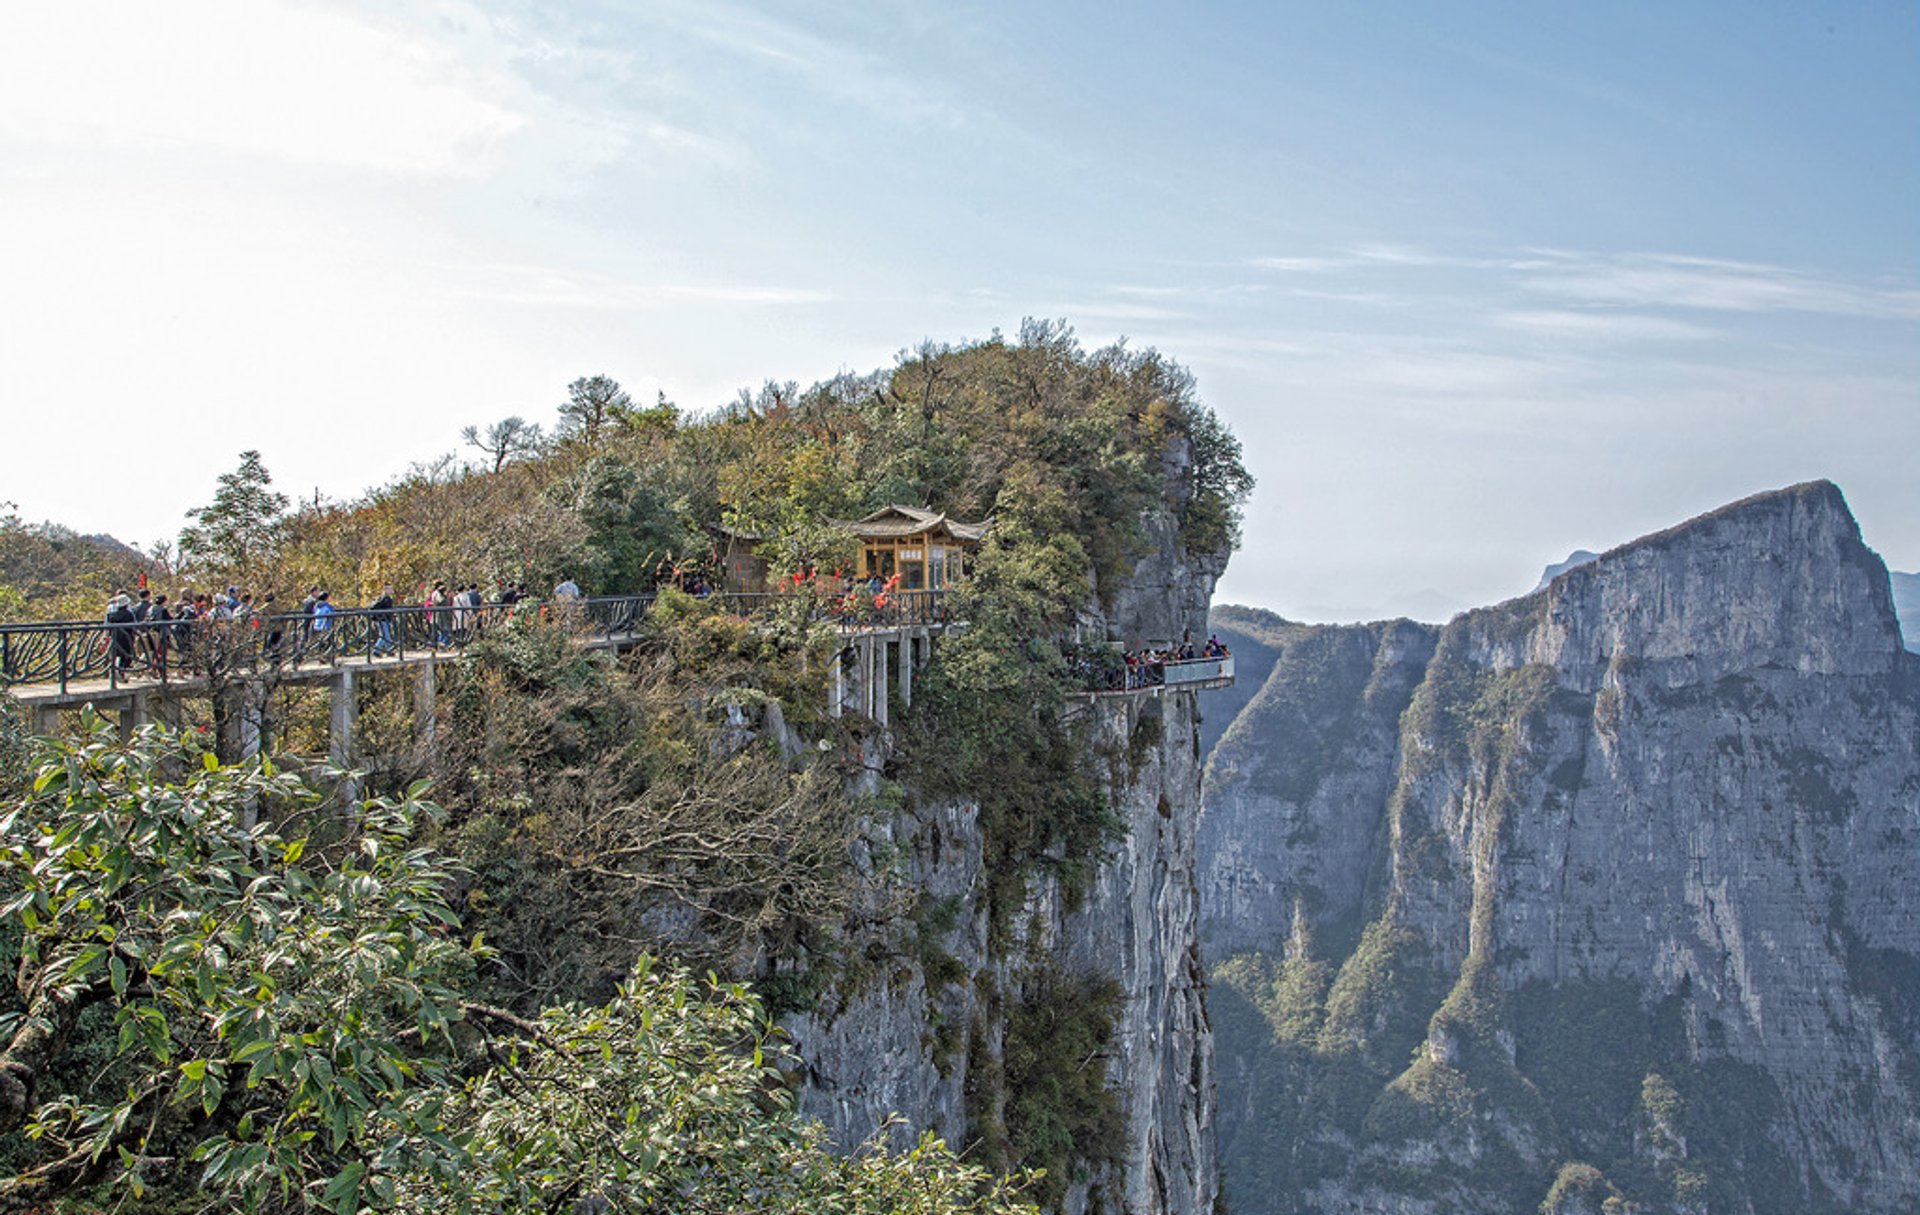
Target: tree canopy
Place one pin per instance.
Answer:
(239, 532)
(223, 987)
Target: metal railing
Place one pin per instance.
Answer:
(1148, 674)
(71, 651)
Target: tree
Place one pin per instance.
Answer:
(241, 530)
(271, 1012)
(509, 438)
(631, 528)
(205, 1001)
(593, 403)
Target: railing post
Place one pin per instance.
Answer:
(63, 662)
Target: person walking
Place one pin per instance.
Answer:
(121, 624)
(440, 614)
(382, 612)
(323, 614)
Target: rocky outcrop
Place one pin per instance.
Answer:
(954, 992)
(1626, 868)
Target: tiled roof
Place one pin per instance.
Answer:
(892, 522)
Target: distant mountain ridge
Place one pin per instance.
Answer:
(1602, 898)
(1905, 587)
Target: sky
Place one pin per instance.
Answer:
(1476, 284)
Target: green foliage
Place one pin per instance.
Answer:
(240, 531)
(1041, 807)
(595, 404)
(1580, 1189)
(663, 1099)
(1043, 1102)
(267, 1006)
(630, 527)
(1211, 520)
(627, 795)
(287, 1021)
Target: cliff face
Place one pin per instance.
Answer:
(1627, 869)
(969, 1001)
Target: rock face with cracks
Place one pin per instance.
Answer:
(916, 1040)
(1608, 892)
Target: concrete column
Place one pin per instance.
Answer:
(340, 718)
(167, 709)
(134, 715)
(240, 711)
(907, 645)
(46, 720)
(880, 689)
(425, 692)
(837, 685)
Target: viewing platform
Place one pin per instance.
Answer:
(1185, 674)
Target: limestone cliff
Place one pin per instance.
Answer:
(1605, 892)
(966, 999)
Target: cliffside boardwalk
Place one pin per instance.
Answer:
(145, 672)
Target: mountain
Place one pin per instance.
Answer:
(1577, 558)
(1906, 592)
(1906, 604)
(1608, 892)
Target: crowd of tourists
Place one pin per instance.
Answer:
(196, 631)
(1147, 667)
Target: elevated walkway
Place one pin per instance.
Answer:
(1191, 674)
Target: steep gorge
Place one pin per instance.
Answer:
(1602, 893)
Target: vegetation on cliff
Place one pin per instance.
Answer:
(218, 971)
(690, 799)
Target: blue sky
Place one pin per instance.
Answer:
(1477, 284)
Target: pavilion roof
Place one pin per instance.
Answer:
(896, 521)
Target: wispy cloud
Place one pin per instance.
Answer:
(1378, 256)
(828, 67)
(1602, 326)
(1666, 280)
(550, 287)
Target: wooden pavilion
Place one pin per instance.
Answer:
(928, 550)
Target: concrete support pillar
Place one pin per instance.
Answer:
(239, 711)
(134, 715)
(46, 720)
(880, 689)
(907, 644)
(167, 709)
(837, 684)
(863, 675)
(425, 693)
(341, 716)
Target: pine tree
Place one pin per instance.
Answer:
(240, 531)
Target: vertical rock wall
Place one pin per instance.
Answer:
(908, 1041)
(1632, 862)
